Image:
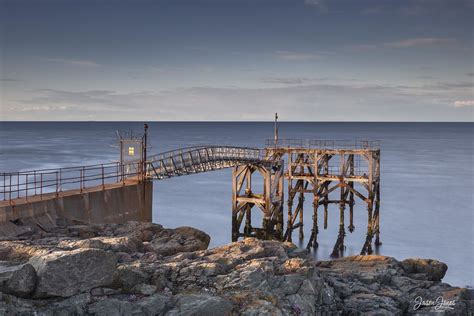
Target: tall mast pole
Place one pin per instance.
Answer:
(276, 130)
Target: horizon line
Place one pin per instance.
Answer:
(217, 121)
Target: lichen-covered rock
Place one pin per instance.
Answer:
(66, 273)
(19, 280)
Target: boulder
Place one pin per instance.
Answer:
(67, 273)
(429, 269)
(181, 239)
(18, 280)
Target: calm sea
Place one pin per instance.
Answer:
(427, 179)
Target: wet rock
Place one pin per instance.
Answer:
(19, 280)
(66, 273)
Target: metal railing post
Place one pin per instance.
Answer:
(10, 189)
(123, 175)
(41, 186)
(34, 179)
(4, 187)
(18, 185)
(57, 183)
(26, 185)
(103, 185)
(81, 178)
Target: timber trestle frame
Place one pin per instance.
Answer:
(332, 172)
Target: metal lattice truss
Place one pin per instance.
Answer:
(199, 159)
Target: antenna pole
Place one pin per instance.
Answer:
(276, 130)
(145, 145)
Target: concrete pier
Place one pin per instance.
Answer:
(111, 203)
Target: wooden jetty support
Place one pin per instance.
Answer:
(331, 172)
(269, 200)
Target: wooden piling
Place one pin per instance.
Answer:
(309, 170)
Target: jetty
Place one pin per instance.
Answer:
(334, 174)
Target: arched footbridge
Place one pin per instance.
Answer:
(198, 159)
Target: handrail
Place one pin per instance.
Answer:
(323, 143)
(25, 184)
(200, 159)
(28, 183)
(187, 160)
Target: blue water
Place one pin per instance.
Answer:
(427, 179)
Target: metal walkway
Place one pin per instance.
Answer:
(200, 159)
(184, 161)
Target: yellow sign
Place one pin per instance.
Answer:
(131, 151)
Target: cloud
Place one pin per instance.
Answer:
(43, 108)
(307, 101)
(319, 4)
(407, 43)
(450, 86)
(451, 8)
(373, 10)
(303, 80)
(72, 62)
(286, 80)
(418, 42)
(297, 56)
(470, 74)
(9, 80)
(464, 103)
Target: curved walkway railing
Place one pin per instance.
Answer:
(200, 159)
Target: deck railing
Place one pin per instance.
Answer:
(201, 159)
(38, 183)
(323, 144)
(25, 184)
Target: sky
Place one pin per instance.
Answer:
(177, 60)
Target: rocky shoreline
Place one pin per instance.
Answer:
(144, 269)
